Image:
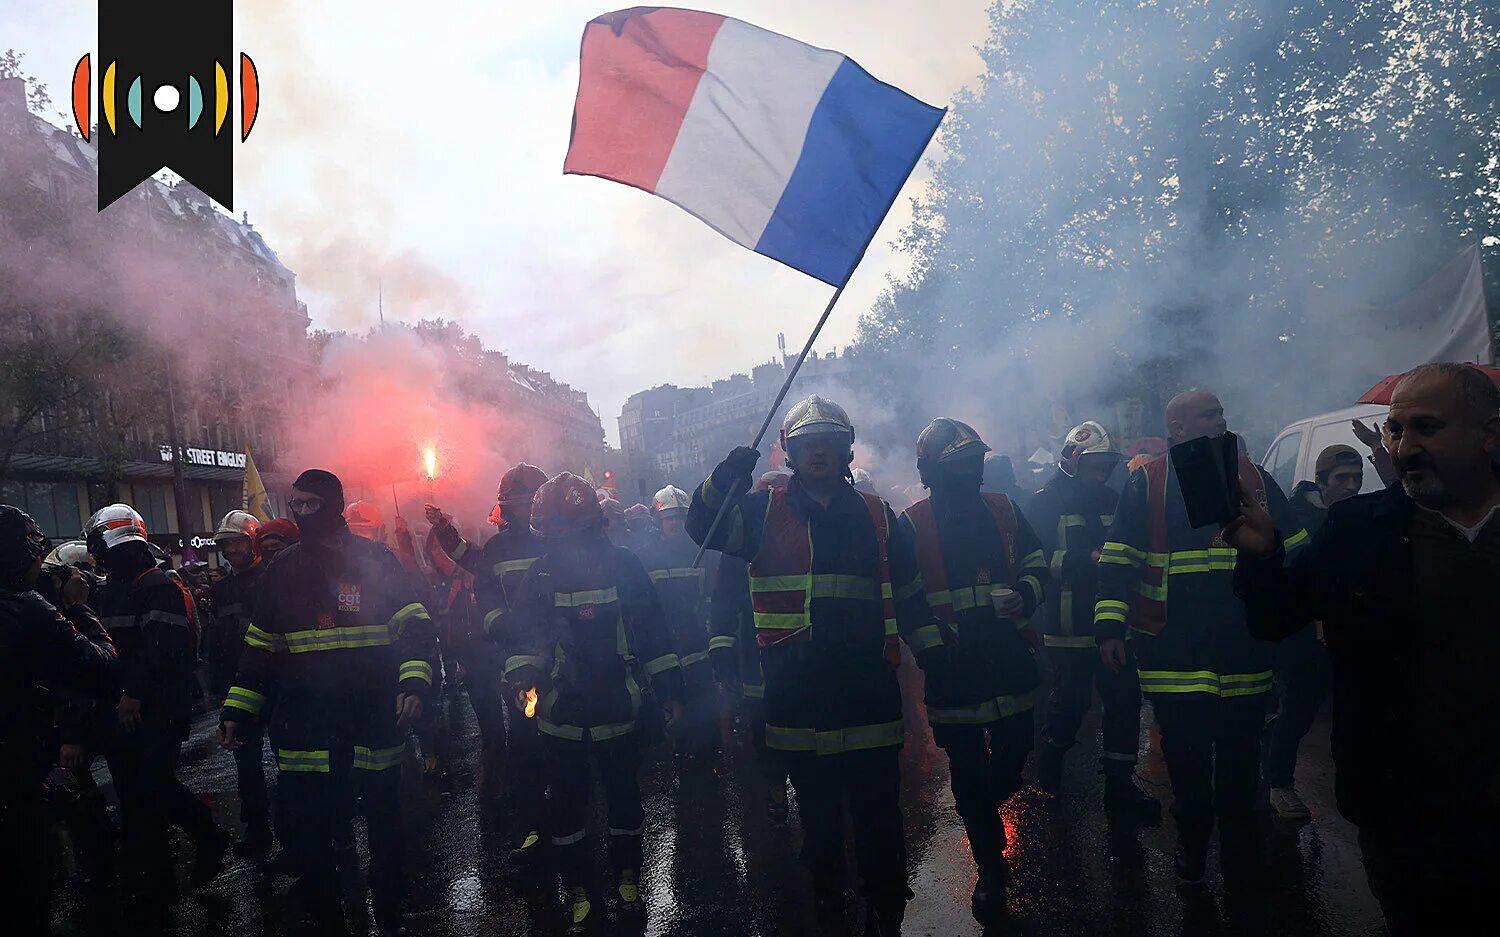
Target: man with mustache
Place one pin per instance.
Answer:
(1404, 583)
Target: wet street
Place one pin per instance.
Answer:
(714, 865)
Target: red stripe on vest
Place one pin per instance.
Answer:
(930, 546)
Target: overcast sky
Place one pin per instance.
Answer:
(422, 145)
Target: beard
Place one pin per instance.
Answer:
(1425, 488)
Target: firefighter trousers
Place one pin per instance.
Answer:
(487, 698)
(698, 733)
(984, 767)
(143, 766)
(250, 775)
(315, 795)
(526, 764)
(1076, 671)
(1212, 748)
(868, 783)
(569, 781)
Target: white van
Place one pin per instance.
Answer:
(1293, 455)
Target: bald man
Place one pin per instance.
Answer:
(1404, 582)
(1170, 589)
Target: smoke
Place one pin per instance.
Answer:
(1142, 198)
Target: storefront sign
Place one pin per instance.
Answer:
(175, 543)
(213, 458)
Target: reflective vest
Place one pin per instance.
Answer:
(1148, 608)
(946, 603)
(782, 583)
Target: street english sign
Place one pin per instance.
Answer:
(213, 458)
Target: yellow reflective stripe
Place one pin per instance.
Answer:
(418, 669)
(612, 731)
(1205, 681)
(1296, 540)
(334, 639)
(1111, 610)
(780, 621)
(302, 761)
(1034, 558)
(1036, 586)
(240, 697)
(1068, 640)
(659, 664)
(265, 640)
(697, 657)
(824, 586)
(1071, 520)
(513, 566)
(571, 733)
(925, 637)
(459, 551)
(753, 690)
(991, 710)
(493, 616)
(720, 641)
(1159, 593)
(943, 597)
(412, 612)
(679, 572)
(1121, 553)
(378, 759)
(517, 661)
(834, 741)
(1214, 559)
(589, 597)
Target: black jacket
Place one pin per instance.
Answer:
(1072, 518)
(41, 653)
(1357, 577)
(147, 614)
(233, 600)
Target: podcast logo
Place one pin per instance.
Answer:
(165, 95)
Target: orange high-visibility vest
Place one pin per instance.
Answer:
(1148, 607)
(782, 584)
(930, 555)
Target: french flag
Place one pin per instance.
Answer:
(792, 151)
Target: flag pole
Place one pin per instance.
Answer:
(786, 385)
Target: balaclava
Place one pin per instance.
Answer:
(328, 519)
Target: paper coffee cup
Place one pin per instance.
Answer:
(999, 597)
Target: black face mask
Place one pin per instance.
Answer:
(329, 517)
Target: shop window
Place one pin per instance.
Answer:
(53, 505)
(151, 504)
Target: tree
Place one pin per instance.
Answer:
(1138, 197)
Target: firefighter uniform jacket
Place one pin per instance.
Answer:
(1174, 588)
(147, 615)
(232, 599)
(498, 568)
(338, 633)
(1072, 517)
(732, 625)
(964, 551)
(683, 592)
(830, 589)
(588, 623)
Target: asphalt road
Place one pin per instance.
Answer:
(715, 866)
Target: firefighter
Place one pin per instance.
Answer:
(640, 527)
(232, 599)
(1170, 587)
(338, 635)
(147, 613)
(833, 583)
(735, 658)
(590, 639)
(985, 575)
(498, 568)
(681, 588)
(39, 647)
(614, 521)
(1073, 512)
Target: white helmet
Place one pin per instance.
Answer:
(112, 526)
(815, 415)
(671, 498)
(68, 553)
(864, 481)
(237, 524)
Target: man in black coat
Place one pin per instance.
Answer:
(1403, 581)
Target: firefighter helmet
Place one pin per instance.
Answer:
(864, 481)
(111, 526)
(1087, 438)
(815, 415)
(237, 524)
(947, 440)
(365, 519)
(68, 553)
(565, 506)
(777, 479)
(638, 517)
(670, 498)
(521, 483)
(613, 510)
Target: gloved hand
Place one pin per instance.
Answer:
(737, 469)
(938, 658)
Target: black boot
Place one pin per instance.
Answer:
(1049, 765)
(883, 919)
(989, 892)
(256, 843)
(209, 858)
(1123, 794)
(1191, 864)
